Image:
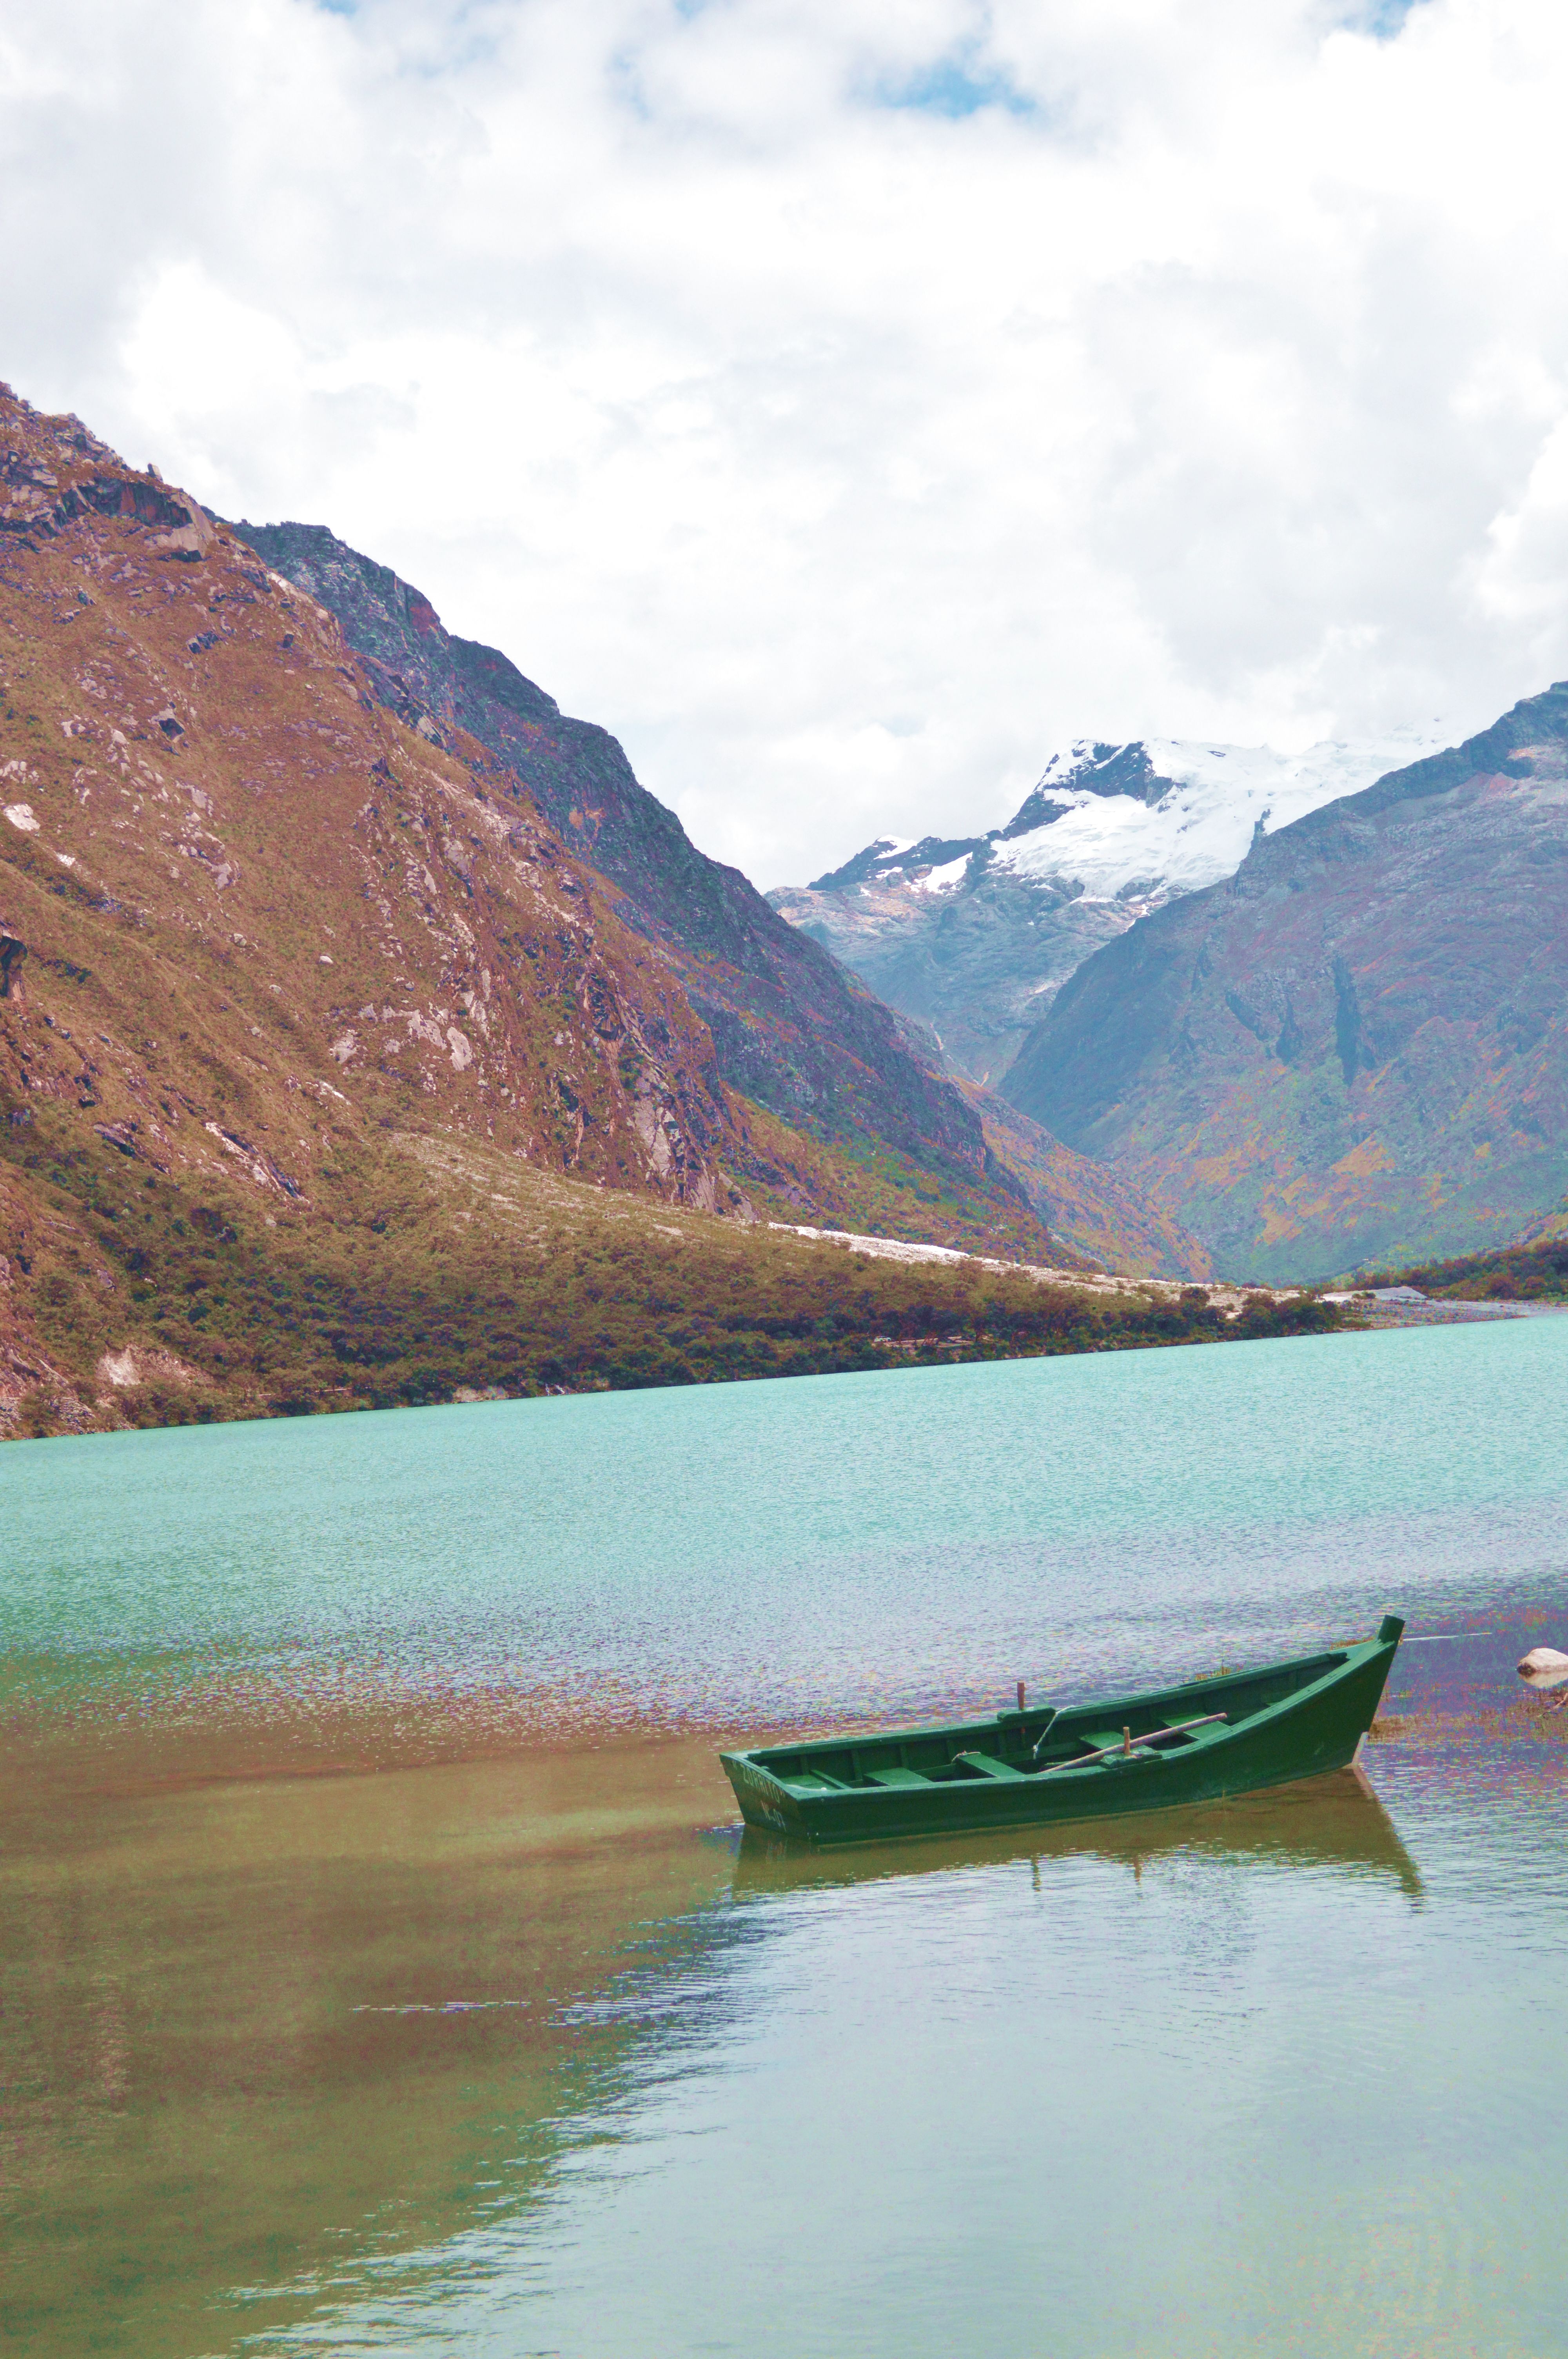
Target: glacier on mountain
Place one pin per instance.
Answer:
(1211, 801)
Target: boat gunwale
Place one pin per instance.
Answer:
(1340, 1662)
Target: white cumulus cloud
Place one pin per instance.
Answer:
(845, 403)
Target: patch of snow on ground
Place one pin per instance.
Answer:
(1201, 830)
(1220, 1292)
(943, 880)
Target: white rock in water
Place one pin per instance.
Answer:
(1543, 1658)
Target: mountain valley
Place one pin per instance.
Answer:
(369, 1033)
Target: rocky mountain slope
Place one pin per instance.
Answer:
(1355, 1048)
(269, 911)
(194, 750)
(791, 1029)
(971, 936)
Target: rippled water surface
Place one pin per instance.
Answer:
(381, 1969)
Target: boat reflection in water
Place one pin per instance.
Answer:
(1321, 1822)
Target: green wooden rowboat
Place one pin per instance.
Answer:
(1230, 1734)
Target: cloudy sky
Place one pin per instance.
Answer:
(848, 402)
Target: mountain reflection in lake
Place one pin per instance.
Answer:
(534, 2053)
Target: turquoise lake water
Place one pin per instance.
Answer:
(382, 1970)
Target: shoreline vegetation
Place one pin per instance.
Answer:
(1532, 1272)
(429, 1269)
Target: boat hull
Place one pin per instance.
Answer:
(1291, 1721)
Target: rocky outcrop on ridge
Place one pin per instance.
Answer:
(1356, 1049)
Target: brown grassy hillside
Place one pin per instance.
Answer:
(434, 1268)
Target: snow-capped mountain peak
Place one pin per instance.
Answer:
(1162, 816)
(972, 936)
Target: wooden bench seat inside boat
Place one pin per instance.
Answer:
(895, 1778)
(987, 1763)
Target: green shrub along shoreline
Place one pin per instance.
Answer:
(395, 1289)
(1527, 1273)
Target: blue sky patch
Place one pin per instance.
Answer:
(1384, 19)
(954, 87)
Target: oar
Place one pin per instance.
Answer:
(1082, 1760)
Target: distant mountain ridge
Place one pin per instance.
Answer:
(1355, 1048)
(971, 936)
